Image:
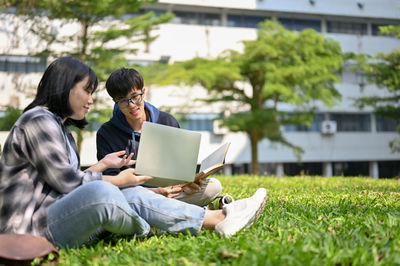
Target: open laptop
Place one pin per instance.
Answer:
(168, 154)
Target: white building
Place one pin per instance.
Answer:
(342, 141)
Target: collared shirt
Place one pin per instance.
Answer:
(35, 171)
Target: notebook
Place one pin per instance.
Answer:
(170, 155)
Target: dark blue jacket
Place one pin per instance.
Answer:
(116, 134)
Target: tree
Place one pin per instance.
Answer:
(281, 66)
(384, 71)
(94, 31)
(8, 119)
(102, 37)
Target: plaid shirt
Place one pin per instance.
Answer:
(35, 172)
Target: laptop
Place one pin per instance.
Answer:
(170, 155)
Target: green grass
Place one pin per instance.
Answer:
(307, 221)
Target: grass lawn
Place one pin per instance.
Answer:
(307, 221)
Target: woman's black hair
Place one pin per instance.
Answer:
(122, 81)
(56, 83)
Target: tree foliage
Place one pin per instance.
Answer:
(99, 32)
(102, 36)
(9, 117)
(281, 67)
(384, 71)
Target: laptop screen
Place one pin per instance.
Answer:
(168, 154)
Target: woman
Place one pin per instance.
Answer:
(43, 192)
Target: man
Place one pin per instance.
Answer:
(122, 133)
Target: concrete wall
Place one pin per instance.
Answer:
(370, 8)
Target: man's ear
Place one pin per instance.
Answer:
(144, 91)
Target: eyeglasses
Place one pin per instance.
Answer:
(135, 99)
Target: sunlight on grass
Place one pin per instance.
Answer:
(317, 221)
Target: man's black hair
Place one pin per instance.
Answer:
(56, 83)
(122, 81)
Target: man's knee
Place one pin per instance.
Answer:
(210, 190)
(213, 189)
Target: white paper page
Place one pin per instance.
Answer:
(217, 157)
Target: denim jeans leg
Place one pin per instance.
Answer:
(76, 216)
(165, 213)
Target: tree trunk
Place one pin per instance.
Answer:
(83, 41)
(254, 138)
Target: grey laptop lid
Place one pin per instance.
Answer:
(168, 154)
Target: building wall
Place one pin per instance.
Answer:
(371, 8)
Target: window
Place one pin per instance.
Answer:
(22, 64)
(245, 21)
(375, 30)
(388, 169)
(352, 122)
(347, 27)
(300, 24)
(198, 122)
(141, 12)
(385, 124)
(183, 17)
(351, 169)
(209, 19)
(241, 169)
(267, 168)
(292, 169)
(315, 125)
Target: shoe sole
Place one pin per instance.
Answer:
(259, 211)
(257, 214)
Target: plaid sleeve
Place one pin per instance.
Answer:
(44, 145)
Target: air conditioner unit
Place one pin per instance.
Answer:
(328, 127)
(218, 129)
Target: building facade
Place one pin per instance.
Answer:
(342, 140)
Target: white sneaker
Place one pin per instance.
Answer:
(242, 213)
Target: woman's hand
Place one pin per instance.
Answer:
(126, 178)
(114, 160)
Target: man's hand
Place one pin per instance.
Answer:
(169, 192)
(193, 187)
(126, 178)
(190, 188)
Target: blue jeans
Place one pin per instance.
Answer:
(98, 204)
